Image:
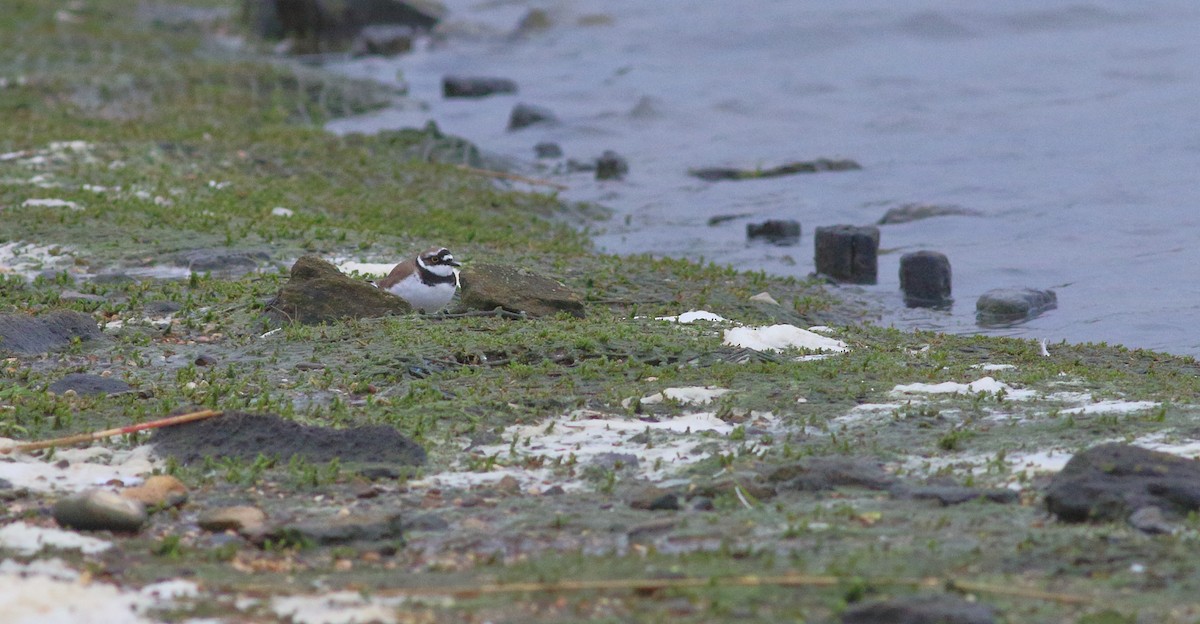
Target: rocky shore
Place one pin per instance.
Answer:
(644, 439)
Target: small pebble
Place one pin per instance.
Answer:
(241, 518)
(100, 510)
(159, 491)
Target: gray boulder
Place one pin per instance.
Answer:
(87, 384)
(524, 115)
(1111, 481)
(25, 335)
(319, 293)
(1005, 306)
(490, 286)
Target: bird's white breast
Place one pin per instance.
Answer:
(421, 296)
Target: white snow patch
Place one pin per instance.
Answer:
(280, 211)
(38, 593)
(342, 607)
(993, 367)
(86, 468)
(1158, 442)
(690, 395)
(28, 260)
(764, 297)
(985, 384)
(694, 315)
(1112, 407)
(50, 203)
(780, 337)
(365, 268)
(28, 539)
(823, 329)
(1019, 467)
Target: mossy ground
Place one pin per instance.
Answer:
(194, 144)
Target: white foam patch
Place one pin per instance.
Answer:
(28, 259)
(51, 203)
(343, 607)
(583, 436)
(694, 315)
(48, 592)
(986, 384)
(1112, 407)
(780, 337)
(993, 367)
(28, 539)
(689, 395)
(280, 211)
(86, 468)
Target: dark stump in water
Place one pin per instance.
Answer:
(925, 279)
(781, 232)
(475, 87)
(848, 253)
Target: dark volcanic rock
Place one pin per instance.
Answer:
(369, 527)
(26, 335)
(1111, 481)
(916, 212)
(85, 384)
(100, 510)
(475, 87)
(1004, 306)
(611, 166)
(848, 253)
(524, 115)
(490, 286)
(925, 279)
(826, 473)
(319, 293)
(548, 150)
(383, 40)
(713, 174)
(781, 232)
(918, 609)
(245, 436)
(953, 494)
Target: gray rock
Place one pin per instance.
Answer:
(782, 232)
(490, 286)
(240, 518)
(369, 527)
(318, 292)
(223, 261)
(654, 498)
(925, 279)
(1006, 306)
(714, 174)
(826, 473)
(916, 212)
(27, 335)
(159, 308)
(525, 115)
(1111, 481)
(383, 40)
(611, 166)
(920, 609)
(848, 253)
(73, 295)
(100, 510)
(475, 87)
(954, 494)
(548, 150)
(1151, 520)
(86, 384)
(205, 359)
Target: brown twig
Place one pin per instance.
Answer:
(108, 433)
(514, 177)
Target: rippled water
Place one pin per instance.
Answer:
(1073, 127)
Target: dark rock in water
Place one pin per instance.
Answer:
(1005, 306)
(371, 527)
(490, 286)
(719, 219)
(1111, 481)
(548, 150)
(100, 510)
(848, 253)
(653, 498)
(954, 494)
(920, 609)
(776, 231)
(226, 261)
(246, 436)
(713, 174)
(475, 87)
(826, 473)
(325, 25)
(925, 279)
(383, 40)
(916, 212)
(26, 335)
(611, 166)
(524, 115)
(86, 385)
(319, 293)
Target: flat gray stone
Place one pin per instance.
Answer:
(87, 384)
(100, 510)
(1110, 482)
(318, 292)
(26, 335)
(490, 286)
(370, 527)
(1005, 306)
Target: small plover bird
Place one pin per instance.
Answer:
(426, 282)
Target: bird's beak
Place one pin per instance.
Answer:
(454, 263)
